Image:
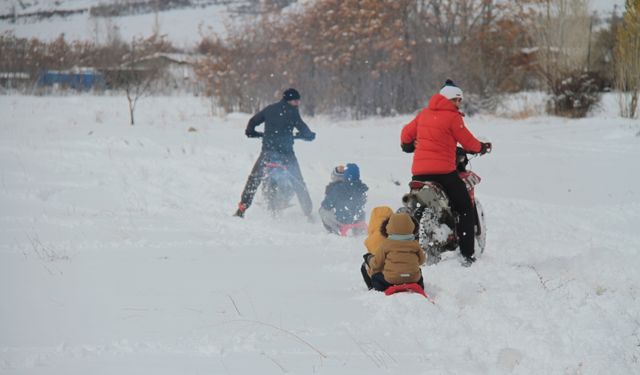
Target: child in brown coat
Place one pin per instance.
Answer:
(398, 258)
(378, 216)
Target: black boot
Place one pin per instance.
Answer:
(365, 276)
(468, 261)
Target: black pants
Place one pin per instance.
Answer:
(377, 281)
(460, 201)
(257, 174)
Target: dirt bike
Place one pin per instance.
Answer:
(278, 184)
(429, 205)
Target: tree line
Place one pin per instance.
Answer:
(382, 57)
(365, 57)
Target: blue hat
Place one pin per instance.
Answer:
(352, 172)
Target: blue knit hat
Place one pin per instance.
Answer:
(352, 172)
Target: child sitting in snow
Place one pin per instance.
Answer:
(343, 206)
(398, 257)
(378, 215)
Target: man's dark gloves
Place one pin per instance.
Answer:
(485, 147)
(252, 133)
(366, 257)
(408, 147)
(310, 136)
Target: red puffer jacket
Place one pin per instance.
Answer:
(436, 131)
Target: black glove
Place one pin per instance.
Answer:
(252, 133)
(310, 137)
(485, 147)
(366, 257)
(408, 147)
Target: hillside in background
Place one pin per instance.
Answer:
(183, 21)
(244, 53)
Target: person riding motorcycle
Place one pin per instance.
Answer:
(433, 136)
(280, 119)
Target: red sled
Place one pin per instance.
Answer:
(355, 228)
(409, 287)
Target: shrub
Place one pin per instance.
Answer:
(574, 94)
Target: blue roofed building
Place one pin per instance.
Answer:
(82, 79)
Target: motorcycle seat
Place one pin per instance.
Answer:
(416, 185)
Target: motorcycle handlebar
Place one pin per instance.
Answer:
(295, 136)
(308, 137)
(480, 153)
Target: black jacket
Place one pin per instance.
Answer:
(279, 121)
(348, 199)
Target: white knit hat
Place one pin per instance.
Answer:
(336, 174)
(450, 90)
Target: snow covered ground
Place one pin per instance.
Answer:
(119, 254)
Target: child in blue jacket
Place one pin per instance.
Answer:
(345, 197)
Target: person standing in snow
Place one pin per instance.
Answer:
(343, 206)
(397, 259)
(433, 136)
(280, 119)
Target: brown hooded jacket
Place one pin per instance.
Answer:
(399, 256)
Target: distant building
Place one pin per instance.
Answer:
(177, 71)
(82, 79)
(12, 80)
(179, 64)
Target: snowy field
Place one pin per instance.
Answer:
(119, 254)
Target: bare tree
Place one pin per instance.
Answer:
(627, 54)
(365, 57)
(562, 34)
(138, 72)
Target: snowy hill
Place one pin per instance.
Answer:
(183, 25)
(119, 255)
